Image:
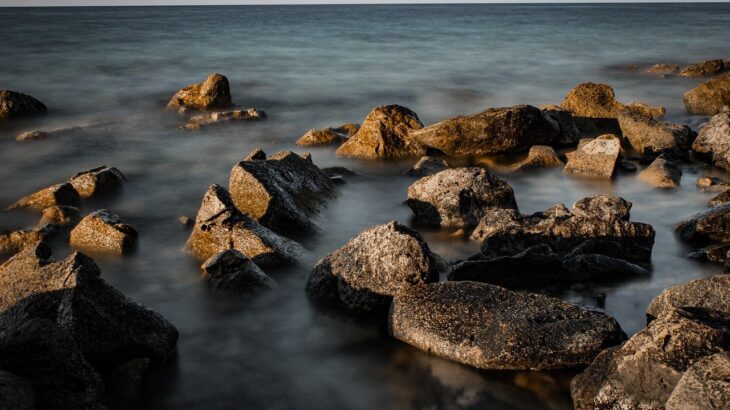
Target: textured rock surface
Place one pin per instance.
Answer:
(719, 199)
(202, 120)
(12, 242)
(219, 225)
(596, 157)
(103, 232)
(594, 108)
(713, 140)
(651, 137)
(540, 156)
(126, 379)
(62, 216)
(703, 69)
(490, 327)
(707, 227)
(661, 174)
(231, 270)
(364, 274)
(384, 134)
(653, 111)
(33, 135)
(569, 132)
(214, 92)
(325, 136)
(16, 393)
(14, 104)
(458, 197)
(60, 194)
(98, 181)
(494, 131)
(704, 386)
(283, 192)
(709, 293)
(663, 69)
(709, 97)
(427, 166)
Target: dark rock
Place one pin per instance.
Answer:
(186, 221)
(705, 385)
(98, 181)
(703, 69)
(648, 136)
(540, 156)
(707, 227)
(126, 379)
(12, 242)
(16, 393)
(458, 197)
(427, 166)
(719, 199)
(627, 165)
(569, 132)
(712, 183)
(713, 140)
(710, 97)
(326, 136)
(663, 69)
(661, 174)
(708, 293)
(199, 121)
(256, 154)
(642, 108)
(55, 195)
(214, 92)
(102, 232)
(596, 157)
(231, 270)
(15, 105)
(62, 216)
(490, 327)
(384, 134)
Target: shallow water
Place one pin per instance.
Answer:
(312, 67)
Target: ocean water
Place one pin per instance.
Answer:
(111, 70)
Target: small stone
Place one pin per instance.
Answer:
(427, 166)
(540, 156)
(663, 69)
(62, 216)
(35, 135)
(55, 195)
(231, 270)
(103, 232)
(185, 221)
(214, 92)
(199, 121)
(703, 69)
(653, 111)
(661, 174)
(596, 157)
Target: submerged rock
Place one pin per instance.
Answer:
(708, 293)
(283, 192)
(325, 136)
(214, 92)
(705, 385)
(703, 69)
(458, 197)
(55, 195)
(62, 216)
(651, 137)
(199, 121)
(712, 184)
(661, 174)
(663, 69)
(427, 166)
(14, 105)
(540, 156)
(710, 97)
(365, 274)
(98, 181)
(596, 157)
(490, 327)
(707, 227)
(494, 131)
(231, 270)
(384, 134)
(713, 140)
(103, 232)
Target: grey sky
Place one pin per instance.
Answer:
(16, 3)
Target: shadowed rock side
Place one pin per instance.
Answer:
(384, 134)
(594, 157)
(214, 92)
(710, 227)
(490, 327)
(231, 270)
(713, 140)
(594, 107)
(15, 105)
(651, 137)
(16, 393)
(494, 131)
(282, 192)
(661, 174)
(703, 69)
(12, 242)
(63, 216)
(709, 293)
(219, 226)
(710, 97)
(569, 132)
(704, 386)
(458, 197)
(364, 274)
(55, 195)
(102, 232)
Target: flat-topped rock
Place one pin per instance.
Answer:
(384, 134)
(710, 97)
(539, 156)
(705, 385)
(703, 69)
(595, 158)
(325, 136)
(651, 137)
(427, 166)
(231, 270)
(98, 181)
(661, 173)
(708, 293)
(202, 120)
(489, 327)
(55, 195)
(15, 105)
(102, 232)
(713, 141)
(212, 93)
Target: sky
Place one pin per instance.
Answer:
(16, 3)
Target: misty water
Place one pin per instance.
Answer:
(111, 71)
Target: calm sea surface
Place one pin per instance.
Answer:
(312, 67)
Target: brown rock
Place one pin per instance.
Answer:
(710, 97)
(596, 157)
(214, 92)
(594, 108)
(651, 137)
(721, 198)
(199, 121)
(15, 105)
(326, 136)
(55, 195)
(62, 216)
(663, 69)
(707, 227)
(653, 111)
(708, 293)
(98, 181)
(713, 140)
(427, 166)
(703, 69)
(540, 156)
(12, 242)
(661, 174)
(34, 135)
(704, 386)
(102, 232)
(347, 129)
(384, 134)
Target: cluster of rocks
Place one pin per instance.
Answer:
(702, 69)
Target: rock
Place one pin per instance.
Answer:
(494, 131)
(257, 153)
(458, 197)
(35, 135)
(601, 268)
(365, 274)
(642, 373)
(427, 166)
(703, 69)
(16, 393)
(639, 107)
(594, 108)
(720, 198)
(126, 379)
(712, 183)
(62, 216)
(14, 105)
(490, 327)
(663, 69)
(540, 156)
(596, 157)
(384, 134)
(569, 132)
(661, 174)
(710, 97)
(55, 195)
(219, 225)
(707, 227)
(708, 293)
(283, 192)
(12, 242)
(214, 92)
(102, 232)
(705, 385)
(651, 137)
(347, 129)
(626, 165)
(713, 141)
(326, 136)
(185, 221)
(231, 270)
(199, 121)
(98, 181)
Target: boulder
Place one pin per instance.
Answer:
(489, 327)
(721, 198)
(569, 132)
(711, 226)
(55, 195)
(596, 157)
(708, 293)
(661, 174)
(214, 92)
(663, 69)
(219, 226)
(539, 156)
(710, 97)
(325, 136)
(427, 166)
(703, 69)
(199, 121)
(126, 379)
(231, 270)
(365, 274)
(458, 197)
(384, 134)
(98, 181)
(62, 216)
(12, 242)
(16, 393)
(705, 385)
(642, 373)
(283, 192)
(491, 132)
(102, 232)
(651, 137)
(14, 105)
(713, 141)
(653, 111)
(594, 108)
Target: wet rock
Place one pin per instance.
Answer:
(427, 166)
(126, 379)
(214, 92)
(540, 156)
(594, 108)
(14, 105)
(231, 270)
(639, 107)
(102, 232)
(347, 129)
(98, 181)
(283, 192)
(707, 227)
(199, 121)
(719, 199)
(458, 197)
(384, 134)
(186, 221)
(12, 242)
(703, 69)
(490, 327)
(708, 293)
(642, 373)
(712, 183)
(569, 132)
(257, 153)
(494, 131)
(219, 226)
(596, 157)
(35, 135)
(710, 97)
(651, 137)
(55, 195)
(705, 385)
(326, 136)
(365, 274)
(713, 140)
(661, 174)
(16, 393)
(62, 216)
(663, 69)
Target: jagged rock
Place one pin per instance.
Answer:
(14, 105)
(199, 121)
(494, 131)
(720, 198)
(594, 108)
(103, 232)
(458, 197)
(640, 107)
(219, 225)
(427, 166)
(489, 327)
(710, 97)
(651, 137)
(711, 226)
(540, 156)
(703, 69)
(642, 373)
(12, 242)
(16, 393)
(98, 181)
(214, 92)
(713, 140)
(663, 69)
(257, 153)
(384, 134)
(55, 195)
(704, 386)
(661, 174)
(325, 136)
(34, 135)
(569, 132)
(708, 293)
(596, 157)
(62, 216)
(283, 192)
(365, 274)
(126, 379)
(231, 270)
